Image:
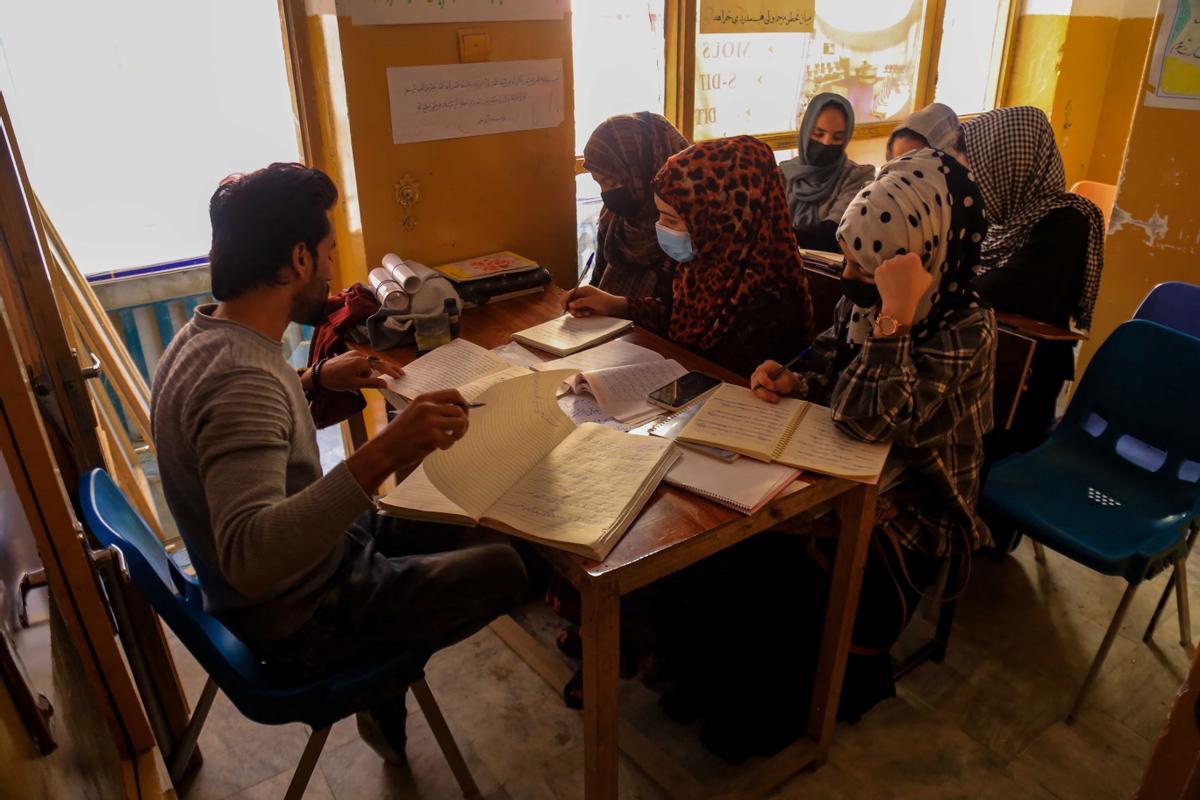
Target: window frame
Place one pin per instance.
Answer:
(680, 32)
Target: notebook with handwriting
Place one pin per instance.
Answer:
(793, 432)
(621, 391)
(524, 468)
(458, 364)
(567, 334)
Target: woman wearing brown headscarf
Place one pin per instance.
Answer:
(738, 293)
(623, 155)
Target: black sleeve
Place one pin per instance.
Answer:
(1043, 279)
(820, 236)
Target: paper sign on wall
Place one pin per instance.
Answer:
(401, 12)
(757, 16)
(450, 101)
(1175, 68)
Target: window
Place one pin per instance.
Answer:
(867, 51)
(876, 53)
(128, 115)
(619, 56)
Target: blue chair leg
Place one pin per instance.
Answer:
(1162, 601)
(187, 743)
(308, 762)
(445, 739)
(1111, 634)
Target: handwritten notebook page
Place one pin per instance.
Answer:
(621, 391)
(471, 391)
(734, 419)
(817, 445)
(587, 490)
(567, 334)
(453, 364)
(610, 354)
(520, 424)
(420, 499)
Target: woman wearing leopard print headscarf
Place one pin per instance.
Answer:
(739, 293)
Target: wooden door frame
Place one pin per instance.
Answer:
(51, 438)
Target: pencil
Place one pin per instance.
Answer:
(465, 406)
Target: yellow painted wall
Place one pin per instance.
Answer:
(1120, 96)
(1155, 234)
(478, 194)
(1082, 70)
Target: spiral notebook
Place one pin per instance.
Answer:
(744, 485)
(792, 432)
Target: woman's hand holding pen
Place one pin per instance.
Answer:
(587, 301)
(772, 381)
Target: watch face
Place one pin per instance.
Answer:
(887, 325)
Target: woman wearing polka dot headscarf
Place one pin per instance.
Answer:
(910, 360)
(911, 356)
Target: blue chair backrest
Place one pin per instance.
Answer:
(1174, 304)
(1144, 384)
(175, 596)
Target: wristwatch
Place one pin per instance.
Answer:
(889, 326)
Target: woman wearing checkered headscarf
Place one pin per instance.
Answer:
(1043, 254)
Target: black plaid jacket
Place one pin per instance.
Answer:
(933, 401)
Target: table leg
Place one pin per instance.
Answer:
(856, 509)
(601, 656)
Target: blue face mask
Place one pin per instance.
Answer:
(676, 244)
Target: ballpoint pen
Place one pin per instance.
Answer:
(583, 276)
(798, 357)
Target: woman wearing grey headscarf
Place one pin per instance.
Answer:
(935, 125)
(821, 181)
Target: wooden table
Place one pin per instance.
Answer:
(675, 530)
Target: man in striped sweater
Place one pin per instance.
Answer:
(297, 563)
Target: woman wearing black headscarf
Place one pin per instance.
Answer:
(821, 181)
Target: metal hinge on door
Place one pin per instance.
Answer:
(34, 709)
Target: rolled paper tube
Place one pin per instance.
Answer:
(384, 285)
(402, 273)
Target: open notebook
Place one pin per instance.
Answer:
(525, 469)
(793, 432)
(566, 334)
(458, 364)
(621, 391)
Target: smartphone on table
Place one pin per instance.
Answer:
(683, 391)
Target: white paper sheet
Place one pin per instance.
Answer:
(400, 12)
(450, 101)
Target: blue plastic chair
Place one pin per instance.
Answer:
(1116, 485)
(264, 697)
(1175, 304)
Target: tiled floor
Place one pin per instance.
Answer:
(988, 723)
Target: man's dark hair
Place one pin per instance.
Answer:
(257, 218)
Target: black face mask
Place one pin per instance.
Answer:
(821, 154)
(620, 201)
(862, 294)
